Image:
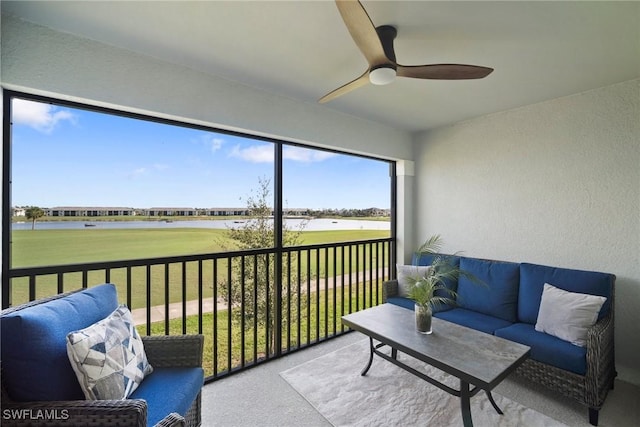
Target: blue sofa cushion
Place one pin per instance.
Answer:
(454, 260)
(410, 304)
(547, 348)
(402, 302)
(534, 276)
(162, 399)
(426, 259)
(35, 364)
(497, 296)
(473, 319)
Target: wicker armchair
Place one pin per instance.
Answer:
(161, 351)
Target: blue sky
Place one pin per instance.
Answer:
(69, 157)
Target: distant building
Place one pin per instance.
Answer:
(225, 211)
(171, 212)
(71, 211)
(296, 212)
(83, 211)
(18, 212)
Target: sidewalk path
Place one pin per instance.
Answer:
(175, 309)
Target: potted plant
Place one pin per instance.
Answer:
(428, 290)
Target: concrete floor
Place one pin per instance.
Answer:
(260, 397)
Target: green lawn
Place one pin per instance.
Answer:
(57, 247)
(319, 318)
(31, 248)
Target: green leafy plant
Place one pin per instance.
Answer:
(430, 289)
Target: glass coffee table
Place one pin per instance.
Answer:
(479, 360)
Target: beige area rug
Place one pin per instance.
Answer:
(390, 396)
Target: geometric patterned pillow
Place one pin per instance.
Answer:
(108, 357)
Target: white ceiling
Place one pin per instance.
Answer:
(302, 50)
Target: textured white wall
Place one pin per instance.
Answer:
(555, 183)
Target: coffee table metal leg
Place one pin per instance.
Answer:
(493, 402)
(366, 368)
(465, 404)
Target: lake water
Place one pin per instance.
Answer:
(311, 225)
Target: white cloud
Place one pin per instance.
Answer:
(42, 117)
(212, 142)
(254, 154)
(137, 173)
(306, 155)
(264, 154)
(147, 170)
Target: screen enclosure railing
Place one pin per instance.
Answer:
(251, 306)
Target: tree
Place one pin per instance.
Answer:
(253, 282)
(33, 213)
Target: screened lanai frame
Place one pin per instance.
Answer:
(279, 144)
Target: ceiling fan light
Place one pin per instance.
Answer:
(382, 76)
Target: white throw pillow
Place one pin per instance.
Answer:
(568, 315)
(108, 357)
(405, 272)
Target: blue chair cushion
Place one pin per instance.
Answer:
(473, 319)
(168, 390)
(534, 276)
(35, 364)
(547, 348)
(497, 296)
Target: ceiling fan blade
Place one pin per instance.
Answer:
(352, 85)
(443, 71)
(362, 31)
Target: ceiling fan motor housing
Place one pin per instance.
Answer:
(382, 75)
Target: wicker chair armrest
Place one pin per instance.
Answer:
(600, 342)
(167, 351)
(600, 329)
(129, 412)
(389, 289)
(172, 420)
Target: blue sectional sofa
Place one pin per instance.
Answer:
(40, 387)
(507, 304)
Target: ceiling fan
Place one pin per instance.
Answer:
(376, 45)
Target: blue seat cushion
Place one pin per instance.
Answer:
(547, 348)
(35, 364)
(497, 295)
(534, 276)
(427, 259)
(473, 319)
(410, 304)
(168, 390)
